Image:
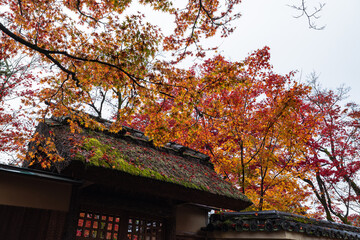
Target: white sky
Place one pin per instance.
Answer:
(333, 53)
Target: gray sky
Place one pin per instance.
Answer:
(333, 53)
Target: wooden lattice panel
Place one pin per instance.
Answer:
(97, 226)
(144, 229)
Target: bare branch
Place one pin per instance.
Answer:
(310, 15)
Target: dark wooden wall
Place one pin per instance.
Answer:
(19, 223)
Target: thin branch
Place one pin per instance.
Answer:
(83, 14)
(20, 7)
(309, 15)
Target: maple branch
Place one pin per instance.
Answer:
(8, 72)
(324, 191)
(271, 124)
(272, 183)
(166, 84)
(218, 79)
(214, 157)
(347, 204)
(353, 185)
(201, 113)
(60, 87)
(192, 32)
(102, 101)
(242, 165)
(20, 7)
(213, 19)
(344, 200)
(337, 214)
(92, 104)
(83, 14)
(325, 199)
(48, 54)
(213, 22)
(320, 198)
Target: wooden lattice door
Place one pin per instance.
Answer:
(97, 226)
(94, 226)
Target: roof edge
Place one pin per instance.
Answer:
(273, 221)
(155, 187)
(37, 173)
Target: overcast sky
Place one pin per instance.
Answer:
(333, 53)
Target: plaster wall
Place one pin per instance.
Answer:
(190, 219)
(28, 191)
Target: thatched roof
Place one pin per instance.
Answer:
(129, 154)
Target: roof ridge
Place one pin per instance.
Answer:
(138, 135)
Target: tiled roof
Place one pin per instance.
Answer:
(132, 152)
(273, 221)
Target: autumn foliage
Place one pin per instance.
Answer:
(15, 127)
(248, 119)
(104, 56)
(332, 156)
(277, 140)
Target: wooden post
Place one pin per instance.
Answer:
(170, 225)
(72, 216)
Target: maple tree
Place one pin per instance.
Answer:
(249, 120)
(332, 155)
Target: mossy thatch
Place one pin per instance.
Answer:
(135, 155)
